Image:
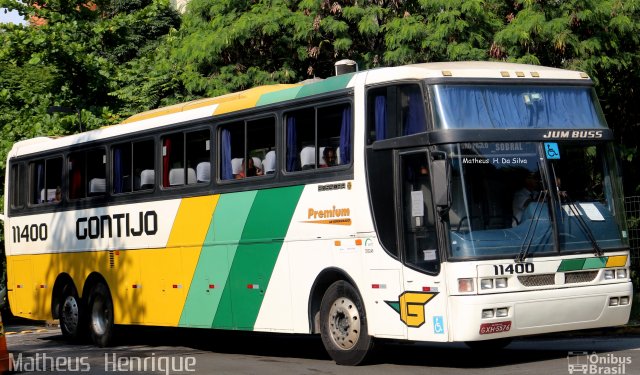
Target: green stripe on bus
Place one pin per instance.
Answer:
(278, 96)
(327, 85)
(594, 263)
(582, 264)
(256, 256)
(212, 270)
(571, 265)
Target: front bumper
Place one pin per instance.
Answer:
(540, 311)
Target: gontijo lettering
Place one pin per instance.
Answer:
(125, 226)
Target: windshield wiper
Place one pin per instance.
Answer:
(533, 224)
(581, 223)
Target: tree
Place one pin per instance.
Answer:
(71, 56)
(601, 38)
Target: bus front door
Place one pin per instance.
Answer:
(422, 306)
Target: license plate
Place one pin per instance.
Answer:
(497, 327)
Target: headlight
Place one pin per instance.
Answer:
(486, 284)
(487, 313)
(501, 282)
(609, 274)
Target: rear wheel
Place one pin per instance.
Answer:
(343, 325)
(71, 314)
(101, 315)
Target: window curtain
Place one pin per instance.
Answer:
(292, 145)
(381, 117)
(509, 107)
(118, 183)
(345, 136)
(225, 163)
(165, 161)
(415, 121)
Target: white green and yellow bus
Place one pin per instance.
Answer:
(443, 202)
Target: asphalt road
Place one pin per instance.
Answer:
(141, 350)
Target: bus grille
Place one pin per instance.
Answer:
(538, 280)
(580, 277)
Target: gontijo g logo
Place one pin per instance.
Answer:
(410, 306)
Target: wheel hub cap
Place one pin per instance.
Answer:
(344, 323)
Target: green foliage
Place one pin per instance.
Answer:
(599, 37)
(73, 55)
(127, 56)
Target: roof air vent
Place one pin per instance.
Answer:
(346, 66)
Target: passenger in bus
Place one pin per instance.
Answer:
(524, 196)
(251, 170)
(58, 196)
(330, 157)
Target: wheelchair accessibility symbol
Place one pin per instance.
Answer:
(551, 150)
(438, 325)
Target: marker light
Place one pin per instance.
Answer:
(465, 285)
(486, 284)
(609, 274)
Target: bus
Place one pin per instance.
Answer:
(441, 202)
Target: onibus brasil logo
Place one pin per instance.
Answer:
(410, 306)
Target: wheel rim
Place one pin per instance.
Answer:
(100, 316)
(70, 314)
(344, 323)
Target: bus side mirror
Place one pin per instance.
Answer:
(441, 169)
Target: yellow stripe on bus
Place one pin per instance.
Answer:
(248, 98)
(170, 289)
(617, 261)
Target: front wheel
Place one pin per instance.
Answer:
(343, 325)
(101, 315)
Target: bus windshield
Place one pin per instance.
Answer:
(509, 200)
(515, 106)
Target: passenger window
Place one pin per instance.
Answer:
(247, 149)
(87, 171)
(46, 181)
(17, 181)
(395, 111)
(186, 158)
(133, 166)
(318, 137)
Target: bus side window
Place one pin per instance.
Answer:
(133, 166)
(243, 147)
(395, 111)
(17, 180)
(46, 180)
(312, 131)
(87, 170)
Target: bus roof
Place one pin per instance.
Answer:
(270, 94)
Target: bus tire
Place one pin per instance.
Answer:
(101, 325)
(71, 314)
(343, 325)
